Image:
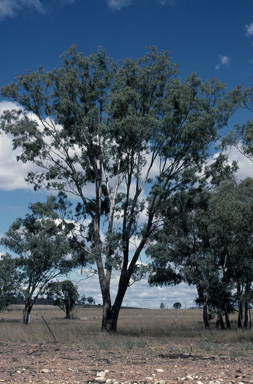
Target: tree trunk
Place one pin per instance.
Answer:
(239, 292)
(111, 313)
(67, 311)
(219, 321)
(249, 318)
(241, 315)
(222, 322)
(203, 298)
(205, 314)
(107, 313)
(26, 313)
(239, 323)
(246, 318)
(227, 318)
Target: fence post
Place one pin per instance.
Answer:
(49, 329)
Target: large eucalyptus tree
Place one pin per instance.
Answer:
(121, 137)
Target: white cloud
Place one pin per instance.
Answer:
(224, 61)
(9, 8)
(140, 294)
(118, 4)
(12, 172)
(249, 29)
(245, 165)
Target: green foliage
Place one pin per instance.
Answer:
(206, 240)
(103, 131)
(64, 295)
(242, 135)
(42, 250)
(177, 305)
(90, 300)
(10, 279)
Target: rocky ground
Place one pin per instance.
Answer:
(26, 363)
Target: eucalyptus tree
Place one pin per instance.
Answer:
(120, 137)
(64, 294)
(206, 241)
(42, 250)
(231, 214)
(241, 136)
(180, 249)
(10, 281)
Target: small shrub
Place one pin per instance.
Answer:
(235, 353)
(104, 345)
(141, 343)
(207, 345)
(247, 347)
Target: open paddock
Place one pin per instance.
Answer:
(152, 329)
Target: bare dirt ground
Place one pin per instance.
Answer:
(53, 363)
(147, 341)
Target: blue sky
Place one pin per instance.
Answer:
(212, 37)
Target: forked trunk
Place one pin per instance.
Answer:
(111, 313)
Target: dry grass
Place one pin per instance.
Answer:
(151, 330)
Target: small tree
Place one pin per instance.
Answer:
(64, 294)
(177, 305)
(10, 279)
(42, 248)
(91, 300)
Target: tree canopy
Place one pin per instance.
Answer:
(122, 138)
(208, 243)
(64, 294)
(42, 248)
(10, 281)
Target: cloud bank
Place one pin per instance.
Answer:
(12, 173)
(140, 294)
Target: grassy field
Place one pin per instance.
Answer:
(154, 330)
